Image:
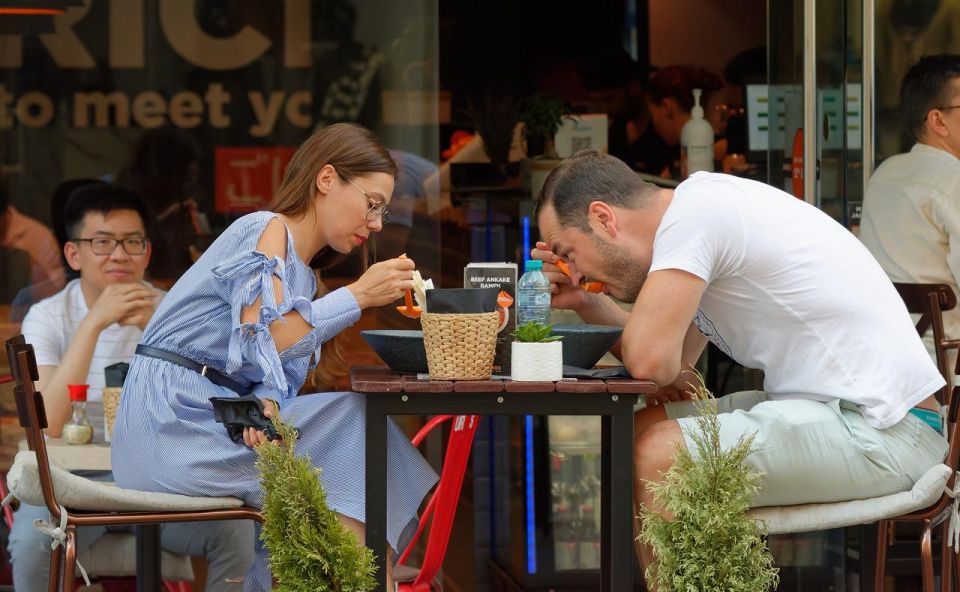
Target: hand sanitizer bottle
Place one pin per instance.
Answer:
(696, 141)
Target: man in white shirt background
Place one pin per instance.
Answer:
(96, 321)
(911, 211)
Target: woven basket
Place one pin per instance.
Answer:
(460, 346)
(111, 400)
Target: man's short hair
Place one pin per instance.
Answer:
(590, 176)
(102, 198)
(925, 87)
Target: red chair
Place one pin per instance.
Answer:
(442, 507)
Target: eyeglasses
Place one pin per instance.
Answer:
(378, 205)
(106, 246)
(948, 107)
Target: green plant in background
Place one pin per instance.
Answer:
(710, 544)
(533, 332)
(542, 115)
(310, 549)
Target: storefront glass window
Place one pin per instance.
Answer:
(198, 106)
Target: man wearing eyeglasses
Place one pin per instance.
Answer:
(95, 321)
(911, 210)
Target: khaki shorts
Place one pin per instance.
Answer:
(811, 451)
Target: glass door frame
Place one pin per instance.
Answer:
(811, 115)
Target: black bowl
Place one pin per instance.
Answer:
(401, 350)
(584, 345)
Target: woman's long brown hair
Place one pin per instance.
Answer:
(352, 150)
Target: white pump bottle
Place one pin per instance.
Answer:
(696, 141)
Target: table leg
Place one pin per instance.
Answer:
(616, 506)
(376, 490)
(148, 557)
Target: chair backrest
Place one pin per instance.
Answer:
(31, 412)
(930, 301)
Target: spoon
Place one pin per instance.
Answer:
(592, 287)
(409, 309)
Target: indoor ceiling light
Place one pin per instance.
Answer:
(33, 7)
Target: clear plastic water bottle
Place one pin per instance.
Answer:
(533, 294)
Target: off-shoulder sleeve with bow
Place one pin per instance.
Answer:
(248, 276)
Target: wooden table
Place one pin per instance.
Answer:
(390, 393)
(73, 457)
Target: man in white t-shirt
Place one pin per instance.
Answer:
(96, 321)
(911, 211)
(847, 410)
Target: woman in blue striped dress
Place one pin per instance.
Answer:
(247, 312)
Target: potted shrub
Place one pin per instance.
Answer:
(310, 550)
(536, 354)
(541, 116)
(710, 544)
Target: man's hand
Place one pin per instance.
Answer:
(667, 394)
(140, 316)
(127, 304)
(566, 293)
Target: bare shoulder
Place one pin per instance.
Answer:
(273, 240)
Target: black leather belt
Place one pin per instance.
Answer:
(214, 376)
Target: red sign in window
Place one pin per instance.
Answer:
(246, 178)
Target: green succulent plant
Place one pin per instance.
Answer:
(533, 332)
(310, 550)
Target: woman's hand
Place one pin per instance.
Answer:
(565, 289)
(252, 437)
(383, 283)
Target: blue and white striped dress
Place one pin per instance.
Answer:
(165, 438)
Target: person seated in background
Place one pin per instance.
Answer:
(417, 181)
(726, 108)
(911, 210)
(33, 293)
(96, 321)
(23, 233)
(669, 102)
(163, 170)
(776, 284)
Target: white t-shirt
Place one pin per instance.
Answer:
(911, 223)
(791, 292)
(50, 326)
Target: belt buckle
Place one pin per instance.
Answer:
(203, 371)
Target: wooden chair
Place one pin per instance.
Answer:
(930, 301)
(931, 500)
(141, 508)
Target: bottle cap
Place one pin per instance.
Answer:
(697, 111)
(530, 264)
(78, 392)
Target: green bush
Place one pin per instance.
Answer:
(310, 550)
(711, 544)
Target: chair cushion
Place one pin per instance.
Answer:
(114, 554)
(78, 493)
(807, 517)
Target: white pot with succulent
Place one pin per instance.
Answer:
(536, 354)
